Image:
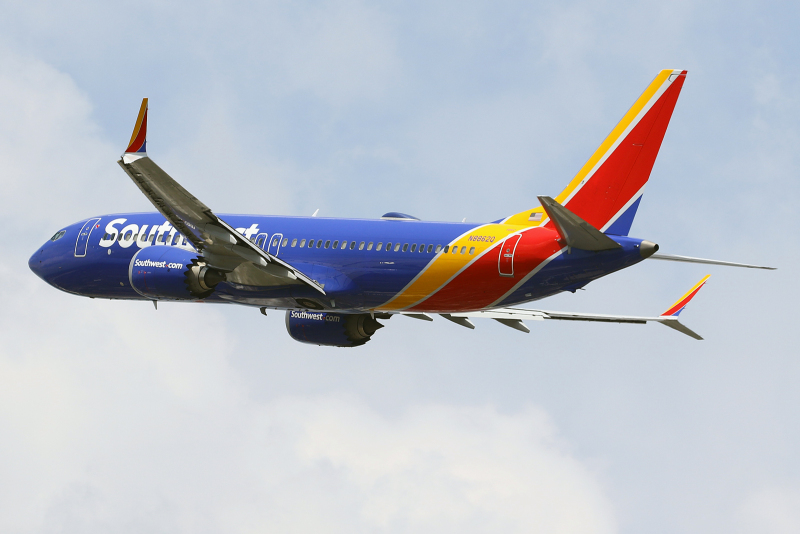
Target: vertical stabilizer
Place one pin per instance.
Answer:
(607, 190)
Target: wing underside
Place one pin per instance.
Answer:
(514, 317)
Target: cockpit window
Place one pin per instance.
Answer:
(58, 235)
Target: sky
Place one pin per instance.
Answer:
(115, 417)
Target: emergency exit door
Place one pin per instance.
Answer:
(505, 263)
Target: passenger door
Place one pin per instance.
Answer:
(83, 237)
(505, 264)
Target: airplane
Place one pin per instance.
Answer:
(337, 279)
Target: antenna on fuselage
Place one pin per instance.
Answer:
(315, 213)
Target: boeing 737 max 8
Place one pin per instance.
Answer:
(338, 278)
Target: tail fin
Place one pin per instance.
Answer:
(607, 190)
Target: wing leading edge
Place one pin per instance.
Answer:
(220, 244)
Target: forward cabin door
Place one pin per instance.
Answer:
(505, 264)
(83, 237)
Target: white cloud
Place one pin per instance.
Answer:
(131, 420)
(771, 511)
(53, 154)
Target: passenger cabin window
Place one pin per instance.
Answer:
(294, 242)
(405, 247)
(352, 245)
(344, 245)
(260, 240)
(275, 241)
(430, 248)
(310, 243)
(319, 243)
(447, 249)
(336, 244)
(413, 248)
(422, 248)
(361, 246)
(463, 250)
(396, 247)
(455, 250)
(369, 246)
(285, 240)
(388, 247)
(471, 251)
(327, 243)
(380, 246)
(302, 243)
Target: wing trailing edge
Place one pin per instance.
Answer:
(513, 317)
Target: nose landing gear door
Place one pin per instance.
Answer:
(83, 237)
(505, 264)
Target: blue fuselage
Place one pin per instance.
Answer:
(362, 264)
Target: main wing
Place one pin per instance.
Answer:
(513, 317)
(221, 246)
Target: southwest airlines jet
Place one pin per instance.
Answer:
(336, 278)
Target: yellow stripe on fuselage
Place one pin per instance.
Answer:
(523, 218)
(444, 267)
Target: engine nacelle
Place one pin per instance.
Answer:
(162, 272)
(331, 329)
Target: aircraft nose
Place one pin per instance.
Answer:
(35, 263)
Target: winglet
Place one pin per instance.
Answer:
(138, 144)
(681, 303)
(670, 317)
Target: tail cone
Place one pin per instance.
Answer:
(647, 249)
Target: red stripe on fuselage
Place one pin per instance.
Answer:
(480, 284)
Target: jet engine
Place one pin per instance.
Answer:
(331, 329)
(163, 272)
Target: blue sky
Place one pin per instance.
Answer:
(195, 418)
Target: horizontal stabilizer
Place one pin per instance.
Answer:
(576, 232)
(687, 259)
